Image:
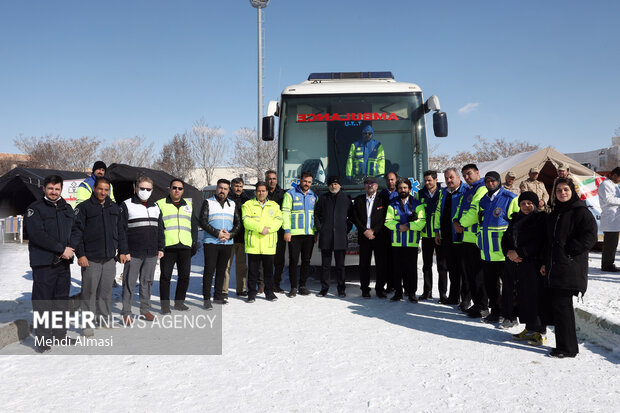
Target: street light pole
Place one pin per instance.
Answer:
(259, 5)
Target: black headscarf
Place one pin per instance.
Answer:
(573, 198)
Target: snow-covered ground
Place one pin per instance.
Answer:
(320, 354)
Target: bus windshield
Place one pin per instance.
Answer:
(352, 136)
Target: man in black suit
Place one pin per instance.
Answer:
(369, 217)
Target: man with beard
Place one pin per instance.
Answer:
(331, 216)
(298, 222)
(219, 217)
(238, 249)
(405, 218)
(494, 212)
(48, 224)
(85, 189)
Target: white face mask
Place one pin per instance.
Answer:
(143, 194)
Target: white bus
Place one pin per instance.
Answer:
(321, 118)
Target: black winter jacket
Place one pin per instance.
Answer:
(277, 195)
(571, 232)
(331, 217)
(49, 230)
(98, 231)
(526, 235)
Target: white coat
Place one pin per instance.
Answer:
(609, 199)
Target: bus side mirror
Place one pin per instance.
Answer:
(268, 132)
(440, 124)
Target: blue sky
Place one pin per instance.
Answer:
(545, 72)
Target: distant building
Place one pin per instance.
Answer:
(199, 179)
(10, 161)
(604, 159)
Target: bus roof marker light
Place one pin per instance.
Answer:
(350, 75)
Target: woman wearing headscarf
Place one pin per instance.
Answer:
(571, 232)
(523, 244)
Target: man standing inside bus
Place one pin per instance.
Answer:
(298, 222)
(366, 157)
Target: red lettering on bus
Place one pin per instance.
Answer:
(301, 118)
(381, 116)
(367, 116)
(393, 116)
(323, 117)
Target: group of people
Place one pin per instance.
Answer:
(480, 231)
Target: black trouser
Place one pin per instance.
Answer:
(472, 268)
(300, 244)
(390, 275)
(509, 292)
(494, 272)
(216, 259)
(254, 264)
(183, 259)
(278, 259)
(610, 244)
(50, 292)
(459, 287)
(406, 266)
(367, 247)
(531, 297)
(326, 266)
(564, 320)
(428, 248)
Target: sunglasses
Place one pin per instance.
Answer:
(146, 189)
(177, 188)
(367, 133)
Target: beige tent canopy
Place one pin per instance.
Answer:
(545, 159)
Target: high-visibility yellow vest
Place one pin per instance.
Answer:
(375, 164)
(298, 212)
(177, 222)
(257, 217)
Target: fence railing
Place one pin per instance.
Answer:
(12, 226)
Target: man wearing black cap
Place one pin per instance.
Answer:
(85, 189)
(368, 215)
(495, 210)
(331, 219)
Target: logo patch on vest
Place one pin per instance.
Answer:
(187, 209)
(470, 197)
(30, 212)
(77, 211)
(497, 212)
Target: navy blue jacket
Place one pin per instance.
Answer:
(49, 230)
(98, 230)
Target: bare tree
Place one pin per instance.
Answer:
(484, 150)
(253, 153)
(81, 153)
(208, 147)
(55, 152)
(438, 161)
(131, 151)
(176, 157)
